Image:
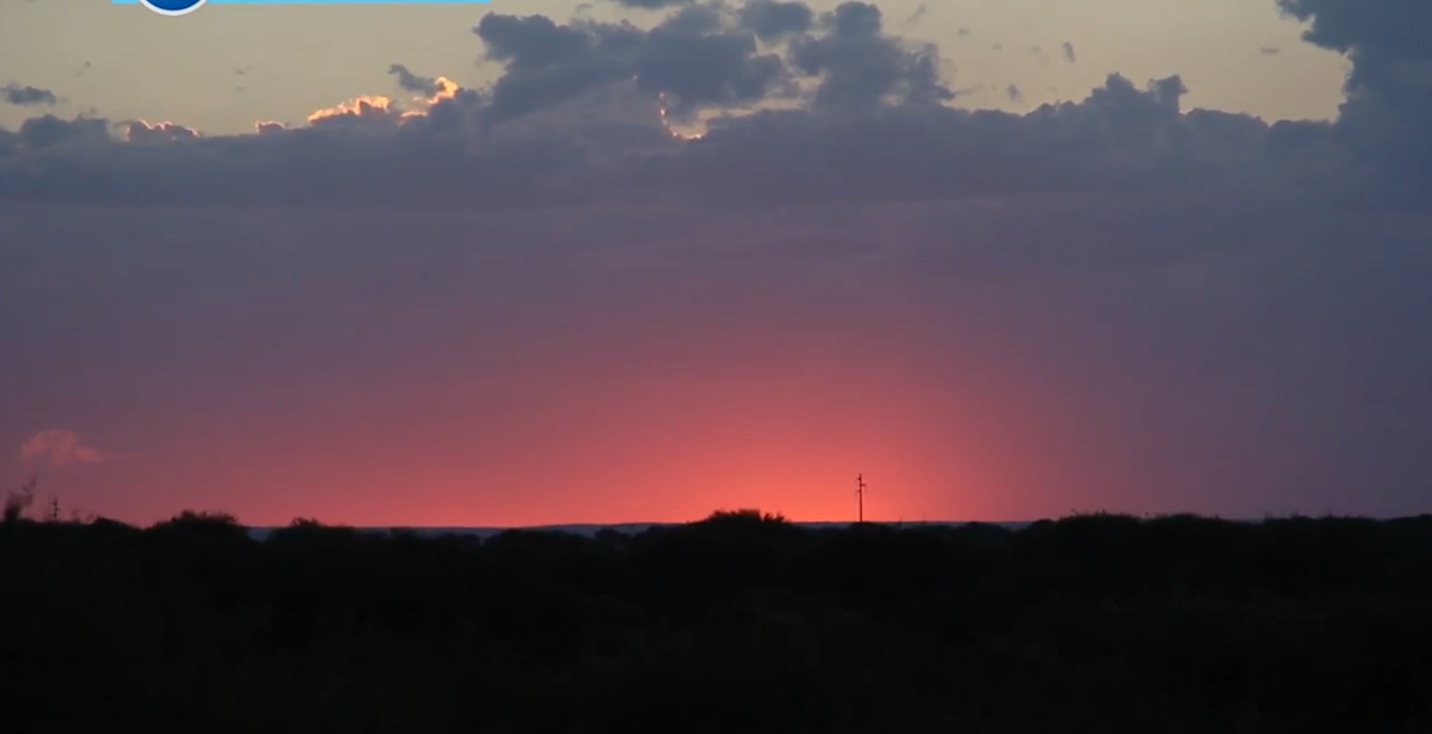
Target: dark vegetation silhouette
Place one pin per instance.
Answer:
(742, 622)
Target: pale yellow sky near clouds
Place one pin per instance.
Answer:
(224, 67)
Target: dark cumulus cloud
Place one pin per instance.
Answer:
(652, 4)
(24, 95)
(49, 133)
(1388, 108)
(698, 58)
(795, 104)
(773, 19)
(862, 67)
(140, 131)
(424, 85)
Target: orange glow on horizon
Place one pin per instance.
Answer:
(751, 410)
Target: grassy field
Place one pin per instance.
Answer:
(739, 623)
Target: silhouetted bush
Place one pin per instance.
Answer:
(18, 501)
(742, 621)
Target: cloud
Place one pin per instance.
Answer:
(720, 102)
(862, 68)
(59, 447)
(1269, 50)
(771, 19)
(426, 86)
(1067, 49)
(653, 4)
(140, 131)
(1388, 106)
(48, 132)
(1013, 94)
(24, 95)
(698, 58)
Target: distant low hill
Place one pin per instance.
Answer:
(588, 530)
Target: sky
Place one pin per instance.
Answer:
(508, 264)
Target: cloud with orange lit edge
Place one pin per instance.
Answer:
(589, 109)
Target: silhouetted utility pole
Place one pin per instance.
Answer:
(860, 497)
(54, 509)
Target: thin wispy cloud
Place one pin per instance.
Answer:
(59, 446)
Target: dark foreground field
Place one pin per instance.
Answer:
(739, 623)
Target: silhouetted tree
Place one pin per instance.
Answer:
(18, 501)
(740, 621)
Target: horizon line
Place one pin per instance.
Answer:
(643, 523)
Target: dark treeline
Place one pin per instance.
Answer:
(739, 623)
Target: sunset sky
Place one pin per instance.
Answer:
(540, 262)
